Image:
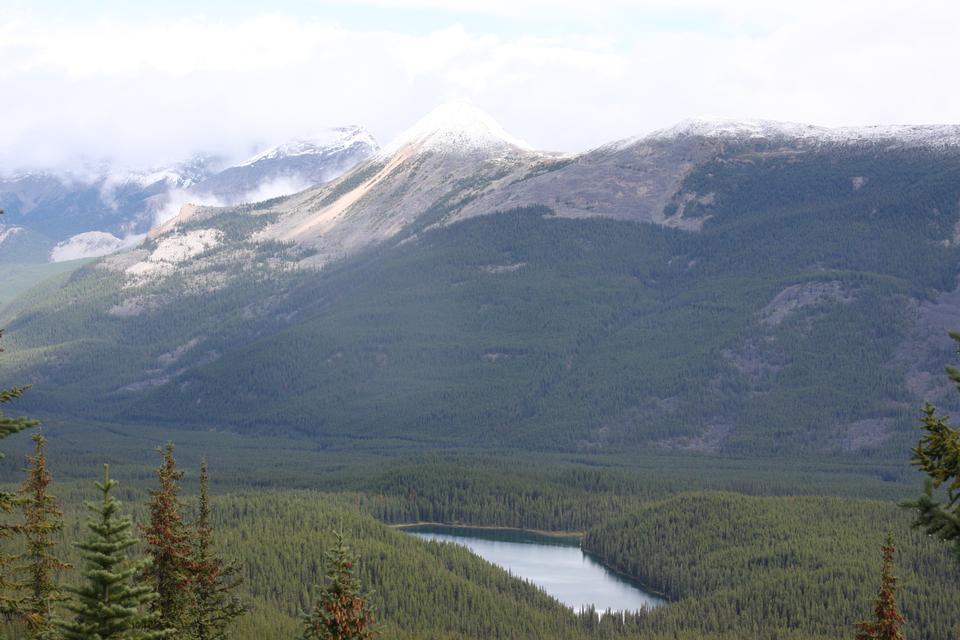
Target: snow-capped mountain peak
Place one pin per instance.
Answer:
(456, 126)
(932, 135)
(326, 142)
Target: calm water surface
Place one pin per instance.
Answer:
(555, 564)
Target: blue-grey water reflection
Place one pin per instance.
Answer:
(555, 564)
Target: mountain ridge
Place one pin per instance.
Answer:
(125, 203)
(683, 294)
(933, 135)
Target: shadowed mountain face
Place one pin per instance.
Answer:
(763, 292)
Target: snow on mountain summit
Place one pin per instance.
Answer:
(933, 135)
(325, 143)
(456, 126)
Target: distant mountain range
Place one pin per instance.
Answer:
(746, 287)
(100, 210)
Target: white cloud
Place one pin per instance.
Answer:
(282, 186)
(176, 198)
(153, 91)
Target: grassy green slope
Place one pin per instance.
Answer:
(19, 278)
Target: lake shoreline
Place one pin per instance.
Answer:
(542, 532)
(475, 538)
(640, 583)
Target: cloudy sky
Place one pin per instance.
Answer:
(147, 86)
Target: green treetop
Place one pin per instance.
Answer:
(214, 605)
(8, 426)
(43, 520)
(110, 605)
(938, 454)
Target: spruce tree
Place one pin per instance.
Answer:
(342, 611)
(9, 601)
(938, 455)
(43, 521)
(214, 605)
(887, 619)
(110, 605)
(168, 541)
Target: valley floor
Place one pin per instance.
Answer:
(781, 549)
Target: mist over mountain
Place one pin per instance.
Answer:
(53, 214)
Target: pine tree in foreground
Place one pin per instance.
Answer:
(9, 605)
(342, 612)
(43, 520)
(888, 620)
(110, 605)
(214, 605)
(168, 541)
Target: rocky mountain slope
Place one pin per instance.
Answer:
(750, 288)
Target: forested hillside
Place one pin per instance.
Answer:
(731, 566)
(760, 566)
(816, 275)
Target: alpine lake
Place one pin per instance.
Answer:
(556, 564)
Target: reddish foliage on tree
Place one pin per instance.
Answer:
(342, 612)
(168, 540)
(43, 520)
(214, 606)
(888, 620)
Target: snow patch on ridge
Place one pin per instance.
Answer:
(933, 135)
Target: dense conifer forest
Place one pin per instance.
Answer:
(732, 565)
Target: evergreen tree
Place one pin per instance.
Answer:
(168, 540)
(8, 426)
(342, 612)
(888, 619)
(938, 455)
(43, 520)
(213, 581)
(111, 605)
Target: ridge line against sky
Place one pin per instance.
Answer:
(151, 86)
